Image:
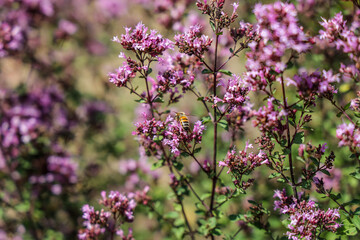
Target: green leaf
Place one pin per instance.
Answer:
(299, 138)
(274, 175)
(206, 119)
(178, 232)
(339, 114)
(159, 100)
(356, 174)
(197, 150)
(149, 71)
(234, 217)
(171, 215)
(212, 25)
(157, 165)
(297, 107)
(281, 180)
(352, 202)
(346, 107)
(23, 207)
(306, 184)
(221, 198)
(224, 124)
(205, 196)
(289, 65)
(178, 165)
(219, 33)
(335, 197)
(356, 221)
(140, 100)
(350, 228)
(158, 138)
(184, 154)
(212, 222)
(217, 231)
(206, 71)
(325, 172)
(357, 114)
(308, 128)
(286, 151)
(231, 50)
(314, 160)
(226, 72)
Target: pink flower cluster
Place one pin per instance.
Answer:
(246, 30)
(278, 24)
(306, 219)
(218, 16)
(178, 69)
(120, 208)
(315, 83)
(349, 135)
(242, 164)
(169, 79)
(269, 119)
(346, 39)
(150, 134)
(236, 92)
(190, 44)
(125, 73)
(61, 172)
(279, 31)
(175, 135)
(119, 204)
(138, 40)
(11, 38)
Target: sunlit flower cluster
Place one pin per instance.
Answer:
(139, 40)
(243, 163)
(176, 135)
(279, 31)
(316, 83)
(120, 208)
(349, 135)
(190, 44)
(268, 118)
(306, 219)
(236, 92)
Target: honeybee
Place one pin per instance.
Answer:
(183, 120)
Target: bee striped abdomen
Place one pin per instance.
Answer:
(183, 120)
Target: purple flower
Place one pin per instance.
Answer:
(279, 31)
(175, 134)
(235, 93)
(306, 219)
(11, 38)
(349, 135)
(119, 204)
(269, 119)
(138, 40)
(124, 73)
(190, 44)
(315, 83)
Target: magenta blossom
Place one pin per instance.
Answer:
(236, 92)
(138, 40)
(175, 135)
(349, 135)
(306, 219)
(315, 83)
(190, 44)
